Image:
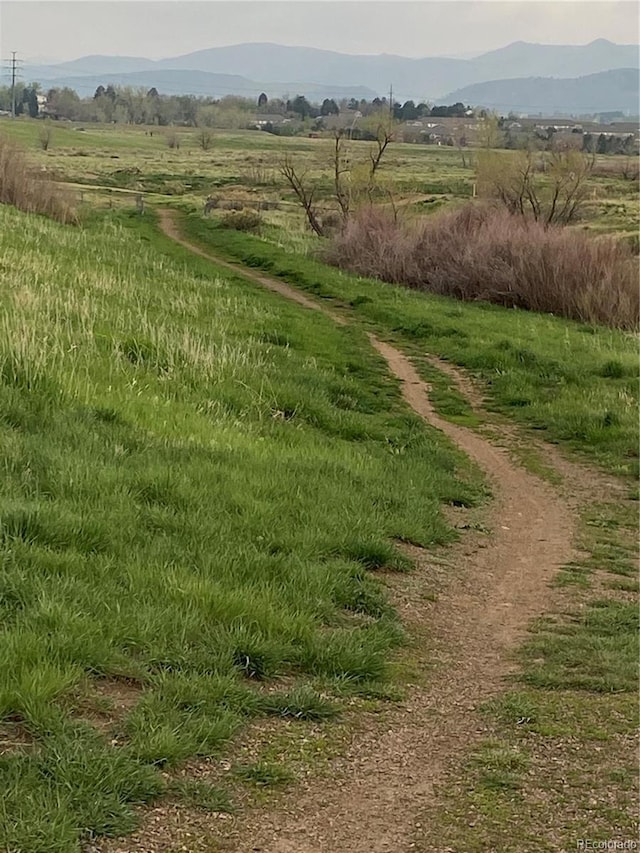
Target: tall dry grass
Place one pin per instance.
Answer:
(484, 253)
(22, 187)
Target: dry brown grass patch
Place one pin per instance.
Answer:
(483, 253)
(22, 187)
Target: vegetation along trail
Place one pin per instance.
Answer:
(384, 782)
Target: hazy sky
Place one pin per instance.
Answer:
(60, 29)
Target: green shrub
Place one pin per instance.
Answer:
(242, 220)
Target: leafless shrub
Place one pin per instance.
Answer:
(44, 137)
(257, 175)
(205, 139)
(630, 169)
(173, 140)
(515, 181)
(487, 253)
(331, 221)
(23, 187)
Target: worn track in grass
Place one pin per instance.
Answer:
(496, 585)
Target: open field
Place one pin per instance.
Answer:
(218, 514)
(244, 166)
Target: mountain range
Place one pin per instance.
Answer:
(247, 69)
(608, 91)
(194, 82)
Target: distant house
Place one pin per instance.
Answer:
(264, 119)
(345, 120)
(441, 131)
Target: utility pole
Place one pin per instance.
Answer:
(14, 70)
(391, 102)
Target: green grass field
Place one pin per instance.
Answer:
(200, 481)
(573, 383)
(244, 166)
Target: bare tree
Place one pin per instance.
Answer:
(385, 134)
(490, 135)
(340, 169)
(460, 141)
(568, 173)
(550, 189)
(304, 193)
(351, 182)
(205, 139)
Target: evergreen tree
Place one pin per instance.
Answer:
(329, 107)
(301, 106)
(30, 101)
(409, 111)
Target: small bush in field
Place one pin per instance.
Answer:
(44, 138)
(485, 253)
(242, 220)
(205, 139)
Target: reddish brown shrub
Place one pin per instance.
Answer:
(484, 253)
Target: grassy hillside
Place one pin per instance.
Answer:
(197, 480)
(577, 384)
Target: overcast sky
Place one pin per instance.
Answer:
(60, 29)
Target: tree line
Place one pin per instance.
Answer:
(129, 105)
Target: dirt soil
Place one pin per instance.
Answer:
(465, 639)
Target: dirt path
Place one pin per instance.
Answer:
(170, 227)
(379, 788)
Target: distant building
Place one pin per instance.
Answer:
(267, 118)
(345, 120)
